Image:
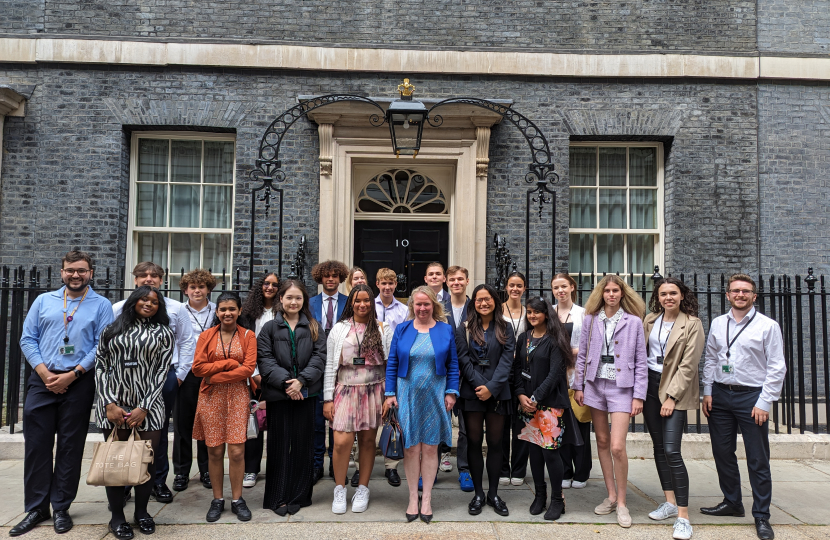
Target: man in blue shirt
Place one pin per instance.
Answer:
(59, 340)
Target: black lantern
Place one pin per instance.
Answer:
(406, 121)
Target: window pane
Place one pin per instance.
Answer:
(610, 253)
(643, 208)
(641, 253)
(612, 166)
(216, 211)
(583, 166)
(186, 163)
(153, 247)
(584, 208)
(185, 252)
(612, 209)
(217, 252)
(184, 206)
(218, 162)
(582, 253)
(152, 205)
(642, 167)
(152, 160)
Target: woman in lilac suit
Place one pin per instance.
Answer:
(612, 378)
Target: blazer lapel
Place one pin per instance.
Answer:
(676, 331)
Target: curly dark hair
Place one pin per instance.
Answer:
(329, 267)
(198, 277)
(372, 338)
(254, 305)
(553, 328)
(128, 315)
(688, 305)
(474, 319)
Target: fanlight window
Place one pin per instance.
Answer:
(401, 191)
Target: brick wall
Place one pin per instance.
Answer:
(794, 27)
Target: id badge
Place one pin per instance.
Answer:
(660, 360)
(66, 350)
(484, 361)
(607, 358)
(526, 375)
(129, 363)
(359, 360)
(304, 392)
(726, 368)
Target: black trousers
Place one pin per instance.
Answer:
(576, 460)
(513, 465)
(666, 436)
(731, 410)
(184, 414)
(289, 470)
(48, 416)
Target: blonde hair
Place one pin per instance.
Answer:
(630, 301)
(386, 274)
(349, 277)
(437, 307)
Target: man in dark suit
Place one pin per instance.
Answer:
(326, 307)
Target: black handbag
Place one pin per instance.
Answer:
(391, 437)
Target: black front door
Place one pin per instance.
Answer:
(407, 247)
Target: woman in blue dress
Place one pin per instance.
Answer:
(422, 381)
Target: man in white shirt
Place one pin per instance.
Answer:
(149, 273)
(197, 286)
(742, 377)
(435, 279)
(389, 310)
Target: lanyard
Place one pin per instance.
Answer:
(195, 318)
(531, 348)
(226, 355)
(605, 335)
(68, 319)
(659, 333)
(357, 337)
(513, 321)
(729, 343)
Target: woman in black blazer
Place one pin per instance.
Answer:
(291, 355)
(485, 346)
(540, 380)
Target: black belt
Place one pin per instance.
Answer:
(738, 387)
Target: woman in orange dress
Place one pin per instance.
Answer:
(225, 358)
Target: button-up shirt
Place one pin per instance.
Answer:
(202, 319)
(608, 371)
(756, 356)
(441, 295)
(43, 330)
(325, 312)
(182, 327)
(393, 314)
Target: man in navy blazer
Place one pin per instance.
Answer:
(326, 307)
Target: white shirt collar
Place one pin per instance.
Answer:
(749, 315)
(208, 307)
(614, 319)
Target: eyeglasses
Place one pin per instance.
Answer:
(270, 285)
(480, 301)
(148, 274)
(72, 271)
(745, 292)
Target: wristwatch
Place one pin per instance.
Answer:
(77, 373)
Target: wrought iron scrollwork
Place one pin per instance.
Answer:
(299, 263)
(504, 262)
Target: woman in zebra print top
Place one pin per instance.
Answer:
(131, 365)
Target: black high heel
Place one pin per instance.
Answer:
(426, 518)
(412, 517)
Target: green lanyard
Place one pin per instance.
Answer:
(293, 347)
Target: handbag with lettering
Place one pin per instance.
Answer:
(391, 437)
(120, 463)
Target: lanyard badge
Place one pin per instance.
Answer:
(68, 349)
(359, 360)
(727, 367)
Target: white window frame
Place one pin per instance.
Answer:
(133, 229)
(659, 232)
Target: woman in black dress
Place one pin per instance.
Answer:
(131, 365)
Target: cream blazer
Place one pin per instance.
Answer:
(682, 358)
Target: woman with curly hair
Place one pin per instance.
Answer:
(675, 344)
(357, 346)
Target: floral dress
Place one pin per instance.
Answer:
(358, 392)
(545, 427)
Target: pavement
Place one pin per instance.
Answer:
(800, 509)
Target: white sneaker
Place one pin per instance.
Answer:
(517, 481)
(249, 480)
(504, 481)
(360, 499)
(566, 484)
(446, 464)
(576, 484)
(666, 510)
(338, 505)
(682, 529)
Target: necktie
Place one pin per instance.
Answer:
(330, 314)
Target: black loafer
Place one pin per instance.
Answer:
(356, 478)
(215, 511)
(162, 493)
(241, 510)
(476, 505)
(146, 525)
(204, 478)
(763, 529)
(30, 522)
(122, 532)
(498, 505)
(318, 474)
(723, 509)
(392, 477)
(63, 523)
(180, 482)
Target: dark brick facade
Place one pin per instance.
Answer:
(788, 27)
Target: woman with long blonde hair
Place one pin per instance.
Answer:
(612, 379)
